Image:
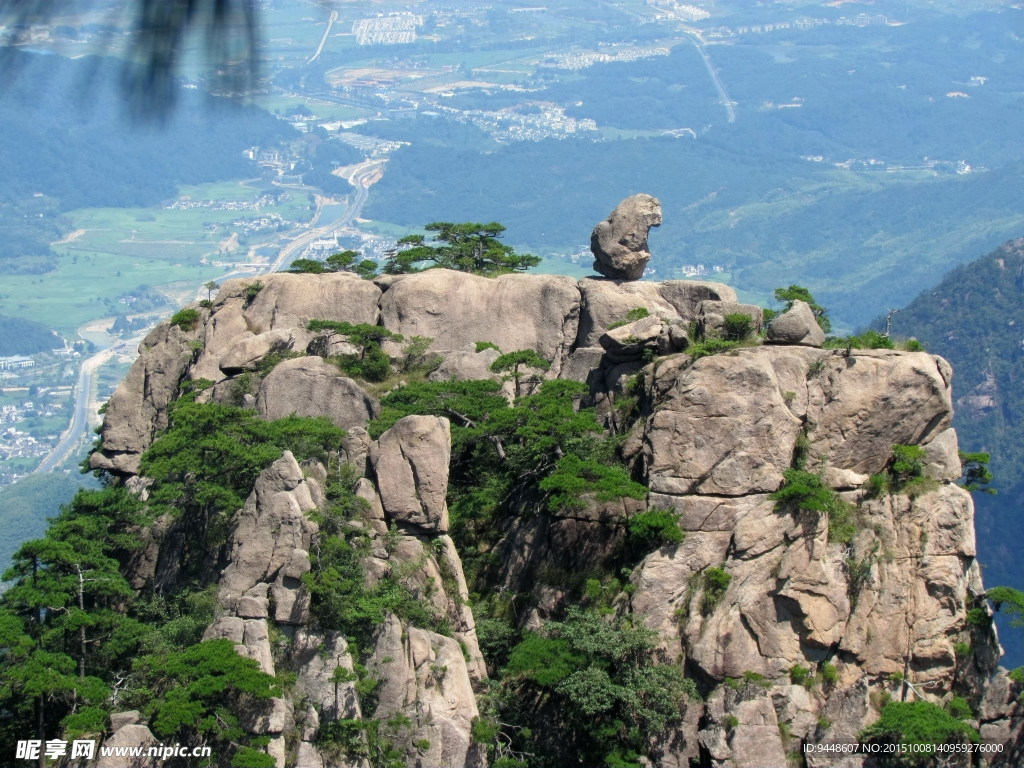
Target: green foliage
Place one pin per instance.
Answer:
(252, 290)
(870, 339)
(466, 247)
(340, 598)
(710, 347)
(637, 313)
(731, 722)
(1017, 675)
(828, 673)
(195, 688)
(307, 266)
(654, 528)
(962, 650)
(920, 726)
(346, 261)
(799, 293)
(976, 474)
(959, 708)
(1009, 601)
(185, 319)
(715, 581)
(907, 463)
(800, 675)
(574, 479)
(738, 326)
(806, 491)
(512, 361)
(207, 461)
(599, 674)
(482, 345)
(370, 363)
(979, 617)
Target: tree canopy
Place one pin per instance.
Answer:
(466, 247)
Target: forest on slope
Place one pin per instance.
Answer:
(975, 319)
(56, 158)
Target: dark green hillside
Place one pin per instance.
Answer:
(19, 336)
(975, 319)
(89, 154)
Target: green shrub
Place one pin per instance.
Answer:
(806, 491)
(828, 673)
(652, 529)
(1017, 675)
(962, 650)
(710, 347)
(920, 727)
(715, 581)
(185, 319)
(738, 326)
(799, 675)
(976, 474)
(637, 313)
(252, 290)
(731, 722)
(959, 708)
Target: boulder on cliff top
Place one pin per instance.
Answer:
(798, 325)
(619, 243)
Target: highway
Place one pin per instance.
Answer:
(323, 40)
(70, 440)
(79, 426)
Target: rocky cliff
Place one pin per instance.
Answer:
(796, 622)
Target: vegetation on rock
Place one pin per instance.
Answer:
(465, 247)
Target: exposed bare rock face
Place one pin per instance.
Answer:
(619, 243)
(513, 312)
(410, 462)
(796, 326)
(310, 386)
(818, 619)
(138, 408)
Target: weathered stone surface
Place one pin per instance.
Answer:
(248, 351)
(317, 656)
(128, 737)
(864, 403)
(796, 326)
(942, 457)
(291, 301)
(410, 462)
(619, 243)
(724, 428)
(120, 719)
(424, 677)
(583, 364)
(456, 310)
(466, 365)
(712, 316)
(629, 341)
(606, 302)
(310, 386)
(138, 408)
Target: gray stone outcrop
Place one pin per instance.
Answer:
(410, 462)
(310, 386)
(456, 310)
(139, 406)
(797, 325)
(619, 243)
